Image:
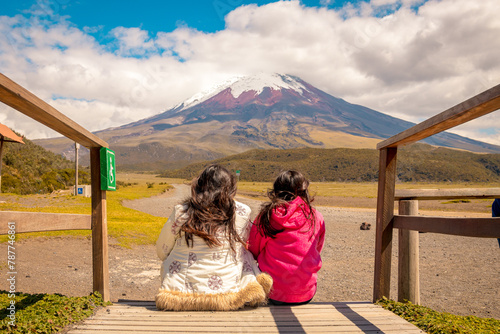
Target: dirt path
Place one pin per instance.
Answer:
(458, 275)
(163, 204)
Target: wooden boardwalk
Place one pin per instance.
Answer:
(339, 317)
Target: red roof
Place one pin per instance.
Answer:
(5, 132)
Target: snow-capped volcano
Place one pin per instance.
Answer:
(241, 84)
(260, 111)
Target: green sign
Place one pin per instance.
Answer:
(108, 169)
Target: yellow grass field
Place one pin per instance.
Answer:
(127, 226)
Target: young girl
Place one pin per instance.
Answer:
(202, 246)
(287, 238)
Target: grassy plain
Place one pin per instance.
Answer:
(128, 227)
(364, 194)
(360, 189)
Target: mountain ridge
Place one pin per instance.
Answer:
(417, 163)
(258, 112)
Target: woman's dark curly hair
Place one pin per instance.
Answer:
(211, 210)
(288, 186)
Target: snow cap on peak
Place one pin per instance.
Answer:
(241, 84)
(259, 81)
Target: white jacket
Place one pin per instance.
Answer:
(208, 278)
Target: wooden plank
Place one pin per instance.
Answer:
(125, 304)
(234, 318)
(383, 234)
(100, 267)
(41, 221)
(408, 257)
(133, 312)
(24, 101)
(470, 109)
(271, 329)
(258, 331)
(446, 194)
(468, 227)
(244, 312)
(312, 318)
(177, 316)
(248, 323)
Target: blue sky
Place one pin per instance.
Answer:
(150, 15)
(109, 63)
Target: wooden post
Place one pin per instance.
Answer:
(385, 213)
(99, 228)
(1, 159)
(408, 265)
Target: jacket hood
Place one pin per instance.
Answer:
(291, 215)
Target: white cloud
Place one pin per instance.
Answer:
(410, 63)
(133, 41)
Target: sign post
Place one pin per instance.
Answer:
(77, 146)
(108, 169)
(238, 172)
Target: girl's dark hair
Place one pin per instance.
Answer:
(211, 208)
(288, 186)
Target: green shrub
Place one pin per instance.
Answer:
(10, 183)
(30, 169)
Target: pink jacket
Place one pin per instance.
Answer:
(293, 257)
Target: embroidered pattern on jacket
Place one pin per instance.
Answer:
(215, 282)
(175, 267)
(192, 259)
(165, 248)
(247, 267)
(240, 210)
(175, 224)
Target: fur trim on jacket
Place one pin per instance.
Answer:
(254, 294)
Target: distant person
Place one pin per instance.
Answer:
(202, 245)
(287, 238)
(495, 210)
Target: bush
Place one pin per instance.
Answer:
(10, 183)
(30, 169)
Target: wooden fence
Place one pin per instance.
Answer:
(24, 101)
(406, 221)
(409, 224)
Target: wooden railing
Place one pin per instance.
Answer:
(41, 222)
(406, 221)
(409, 224)
(25, 102)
